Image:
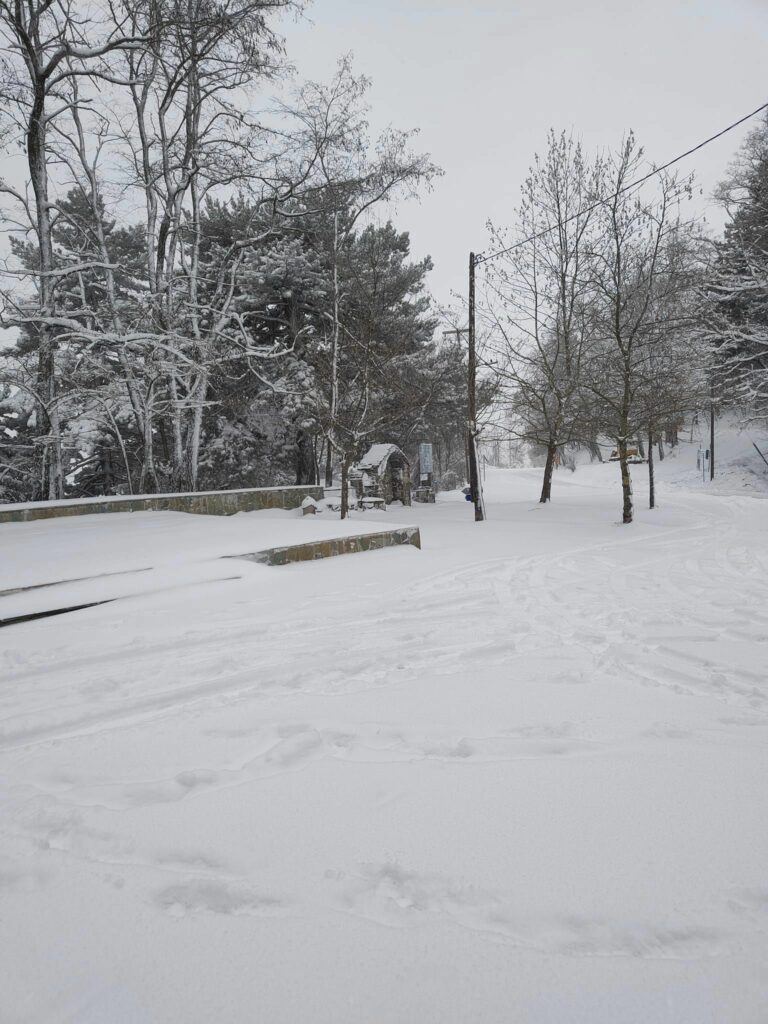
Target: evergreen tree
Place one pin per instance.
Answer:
(737, 288)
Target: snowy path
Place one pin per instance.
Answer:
(517, 776)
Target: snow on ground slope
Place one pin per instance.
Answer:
(518, 776)
(739, 468)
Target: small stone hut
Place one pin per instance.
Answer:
(383, 472)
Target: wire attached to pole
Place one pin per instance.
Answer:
(481, 258)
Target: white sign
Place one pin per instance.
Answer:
(425, 458)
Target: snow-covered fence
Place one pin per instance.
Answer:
(210, 503)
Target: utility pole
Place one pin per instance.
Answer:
(712, 434)
(475, 483)
(457, 332)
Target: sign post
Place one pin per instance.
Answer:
(426, 488)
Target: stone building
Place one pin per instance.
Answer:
(383, 473)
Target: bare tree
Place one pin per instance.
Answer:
(136, 108)
(161, 81)
(351, 176)
(535, 299)
(188, 141)
(48, 46)
(641, 269)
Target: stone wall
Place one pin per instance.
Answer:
(207, 503)
(311, 550)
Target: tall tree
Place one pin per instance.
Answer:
(641, 270)
(353, 176)
(49, 46)
(536, 297)
(737, 286)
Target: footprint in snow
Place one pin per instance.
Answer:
(125, 796)
(204, 895)
(392, 896)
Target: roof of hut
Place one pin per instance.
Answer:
(377, 456)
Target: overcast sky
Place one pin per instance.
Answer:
(485, 81)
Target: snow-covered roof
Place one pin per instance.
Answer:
(376, 457)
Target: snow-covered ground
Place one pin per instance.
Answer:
(739, 466)
(103, 557)
(518, 776)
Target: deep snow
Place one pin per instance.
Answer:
(518, 776)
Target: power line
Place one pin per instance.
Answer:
(626, 188)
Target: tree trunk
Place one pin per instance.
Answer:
(178, 474)
(546, 487)
(48, 412)
(37, 157)
(329, 464)
(107, 470)
(316, 456)
(640, 445)
(305, 458)
(661, 449)
(626, 482)
(344, 486)
(651, 481)
(148, 484)
(196, 430)
(336, 340)
(712, 439)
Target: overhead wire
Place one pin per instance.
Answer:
(484, 258)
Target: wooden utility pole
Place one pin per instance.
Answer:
(712, 436)
(475, 483)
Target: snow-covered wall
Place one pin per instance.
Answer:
(211, 503)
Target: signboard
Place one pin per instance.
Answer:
(425, 458)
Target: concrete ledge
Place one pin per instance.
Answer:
(311, 550)
(206, 503)
(56, 600)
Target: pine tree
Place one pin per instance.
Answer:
(737, 288)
